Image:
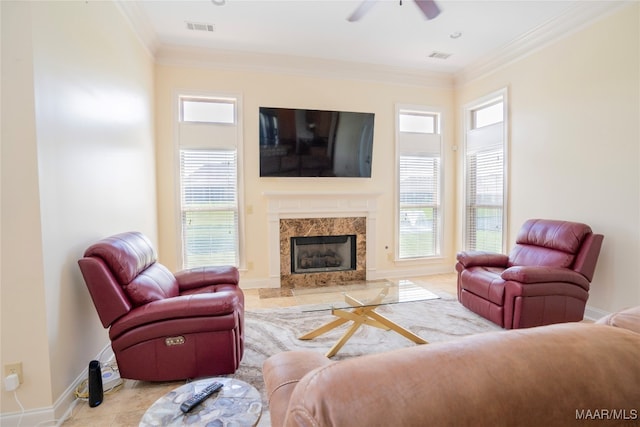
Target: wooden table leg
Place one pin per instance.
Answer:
(362, 314)
(323, 329)
(397, 328)
(342, 341)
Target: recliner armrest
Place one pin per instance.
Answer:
(181, 307)
(537, 274)
(198, 277)
(481, 258)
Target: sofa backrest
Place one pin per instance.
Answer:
(549, 243)
(122, 272)
(534, 371)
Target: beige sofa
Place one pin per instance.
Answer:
(558, 375)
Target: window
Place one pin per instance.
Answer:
(419, 183)
(207, 110)
(485, 175)
(209, 199)
(417, 122)
(487, 115)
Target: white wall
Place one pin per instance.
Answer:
(78, 164)
(23, 314)
(575, 143)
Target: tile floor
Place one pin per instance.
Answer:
(126, 406)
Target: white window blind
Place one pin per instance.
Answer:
(209, 205)
(485, 179)
(419, 206)
(484, 200)
(419, 184)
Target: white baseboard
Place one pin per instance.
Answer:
(593, 314)
(63, 407)
(34, 417)
(260, 283)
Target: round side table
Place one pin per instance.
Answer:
(236, 404)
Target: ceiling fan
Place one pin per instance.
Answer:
(428, 7)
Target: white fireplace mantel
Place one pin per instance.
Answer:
(283, 204)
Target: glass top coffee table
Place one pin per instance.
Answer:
(357, 303)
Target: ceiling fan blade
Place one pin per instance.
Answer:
(429, 8)
(361, 10)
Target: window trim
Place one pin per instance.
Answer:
(438, 130)
(469, 126)
(239, 146)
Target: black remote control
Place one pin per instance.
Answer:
(198, 398)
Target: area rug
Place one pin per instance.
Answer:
(271, 331)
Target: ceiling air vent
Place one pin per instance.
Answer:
(439, 55)
(199, 26)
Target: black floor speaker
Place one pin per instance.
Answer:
(95, 384)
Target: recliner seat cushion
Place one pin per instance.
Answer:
(153, 284)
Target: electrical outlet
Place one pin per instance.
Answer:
(13, 368)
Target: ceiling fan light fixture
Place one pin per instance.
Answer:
(429, 8)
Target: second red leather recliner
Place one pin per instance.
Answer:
(545, 279)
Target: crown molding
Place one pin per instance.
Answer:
(140, 24)
(167, 54)
(582, 14)
(296, 65)
(574, 19)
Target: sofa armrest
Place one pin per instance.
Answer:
(480, 258)
(180, 307)
(626, 319)
(198, 277)
(282, 372)
(537, 274)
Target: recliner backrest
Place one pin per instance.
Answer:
(121, 272)
(549, 243)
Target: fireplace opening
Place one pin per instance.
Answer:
(323, 254)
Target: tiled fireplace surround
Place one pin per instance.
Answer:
(316, 214)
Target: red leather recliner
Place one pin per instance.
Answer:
(164, 327)
(545, 279)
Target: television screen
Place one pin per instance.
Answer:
(315, 143)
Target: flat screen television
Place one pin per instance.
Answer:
(315, 143)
